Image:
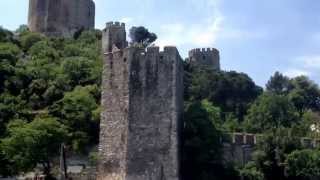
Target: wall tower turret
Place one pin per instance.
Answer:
(114, 34)
(142, 105)
(205, 57)
(60, 17)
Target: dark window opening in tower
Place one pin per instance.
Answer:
(111, 64)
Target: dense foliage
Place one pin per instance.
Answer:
(50, 94)
(141, 36)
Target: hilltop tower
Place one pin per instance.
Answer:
(142, 104)
(60, 17)
(205, 57)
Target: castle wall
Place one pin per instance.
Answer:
(37, 14)
(154, 114)
(142, 108)
(114, 117)
(60, 17)
(238, 148)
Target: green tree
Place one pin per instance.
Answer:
(269, 111)
(272, 149)
(201, 142)
(77, 110)
(231, 91)
(29, 144)
(142, 36)
(11, 107)
(27, 40)
(278, 84)
(303, 164)
(39, 75)
(10, 52)
(78, 70)
(305, 94)
(250, 172)
(22, 29)
(5, 35)
(43, 50)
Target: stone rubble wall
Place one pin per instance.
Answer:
(142, 102)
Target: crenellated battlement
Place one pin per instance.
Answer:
(114, 35)
(141, 52)
(203, 50)
(208, 57)
(253, 139)
(239, 147)
(115, 24)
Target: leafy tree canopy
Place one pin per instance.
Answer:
(31, 143)
(141, 35)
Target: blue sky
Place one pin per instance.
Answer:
(255, 37)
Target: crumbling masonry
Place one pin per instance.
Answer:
(142, 101)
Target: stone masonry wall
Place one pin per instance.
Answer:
(239, 147)
(114, 34)
(142, 110)
(60, 17)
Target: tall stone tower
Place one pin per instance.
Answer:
(142, 101)
(60, 17)
(205, 57)
(115, 34)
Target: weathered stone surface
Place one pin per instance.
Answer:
(60, 17)
(142, 101)
(240, 149)
(116, 34)
(205, 57)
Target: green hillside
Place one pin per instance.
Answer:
(50, 94)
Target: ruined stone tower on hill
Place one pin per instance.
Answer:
(60, 17)
(205, 57)
(142, 101)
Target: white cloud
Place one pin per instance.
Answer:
(310, 62)
(308, 65)
(292, 72)
(205, 32)
(202, 34)
(127, 20)
(197, 34)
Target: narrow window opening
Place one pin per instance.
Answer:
(111, 64)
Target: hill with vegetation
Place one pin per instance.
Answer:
(50, 94)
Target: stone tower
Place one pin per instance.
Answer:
(60, 17)
(142, 101)
(115, 34)
(205, 57)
